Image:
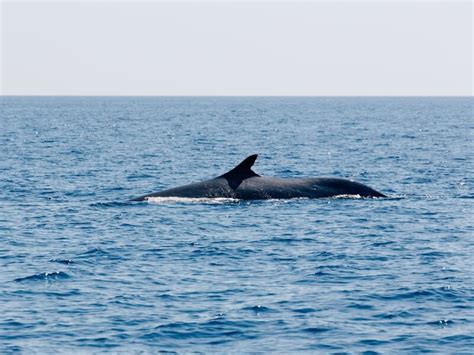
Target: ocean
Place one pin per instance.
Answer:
(84, 270)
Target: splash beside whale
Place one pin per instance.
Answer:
(244, 184)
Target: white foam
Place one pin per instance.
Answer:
(344, 196)
(225, 200)
(208, 200)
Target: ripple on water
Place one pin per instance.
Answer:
(44, 276)
(258, 309)
(61, 261)
(96, 253)
(441, 293)
(111, 204)
(316, 330)
(210, 329)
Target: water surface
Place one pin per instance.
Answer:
(85, 270)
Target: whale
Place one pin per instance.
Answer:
(243, 183)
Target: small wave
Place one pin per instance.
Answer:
(204, 200)
(325, 255)
(304, 310)
(44, 276)
(393, 198)
(94, 252)
(258, 309)
(360, 306)
(393, 315)
(441, 323)
(210, 329)
(61, 261)
(108, 204)
(315, 330)
(445, 292)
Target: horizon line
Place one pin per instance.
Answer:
(223, 96)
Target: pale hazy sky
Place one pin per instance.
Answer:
(236, 48)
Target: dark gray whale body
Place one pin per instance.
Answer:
(242, 183)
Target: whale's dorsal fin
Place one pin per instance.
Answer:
(241, 172)
(243, 169)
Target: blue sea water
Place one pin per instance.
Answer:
(82, 269)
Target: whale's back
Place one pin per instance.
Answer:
(279, 188)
